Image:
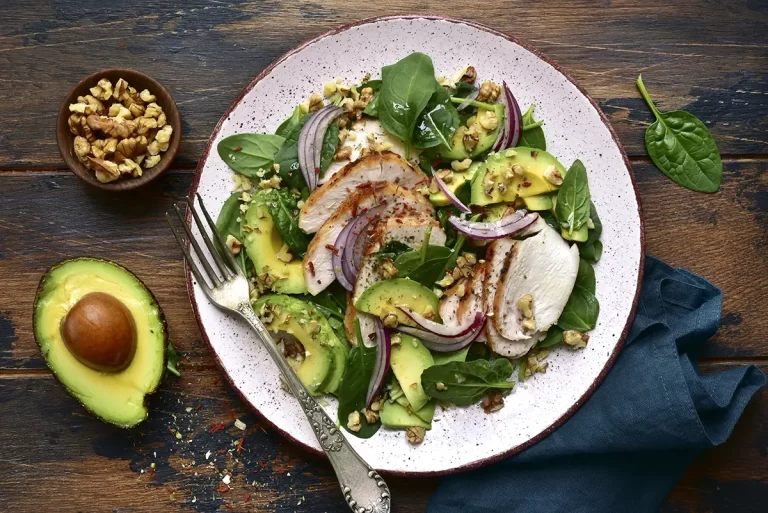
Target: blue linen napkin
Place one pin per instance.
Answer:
(625, 449)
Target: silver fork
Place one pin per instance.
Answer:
(227, 287)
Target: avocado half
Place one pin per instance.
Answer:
(118, 398)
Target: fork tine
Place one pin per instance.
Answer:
(201, 256)
(225, 271)
(192, 265)
(231, 259)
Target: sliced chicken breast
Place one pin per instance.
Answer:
(544, 267)
(455, 309)
(364, 135)
(399, 202)
(377, 167)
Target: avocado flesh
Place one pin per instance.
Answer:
(262, 242)
(497, 168)
(395, 415)
(408, 360)
(485, 141)
(580, 235)
(383, 298)
(439, 199)
(455, 356)
(114, 397)
(538, 203)
(325, 357)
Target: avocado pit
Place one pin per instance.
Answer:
(100, 332)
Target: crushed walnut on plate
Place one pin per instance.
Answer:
(119, 131)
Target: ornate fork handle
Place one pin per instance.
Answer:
(364, 490)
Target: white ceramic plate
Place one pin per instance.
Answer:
(461, 438)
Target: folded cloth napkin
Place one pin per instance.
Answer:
(625, 449)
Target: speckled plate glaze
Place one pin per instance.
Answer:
(461, 438)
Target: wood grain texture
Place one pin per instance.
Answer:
(700, 56)
(710, 58)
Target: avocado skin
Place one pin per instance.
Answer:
(161, 318)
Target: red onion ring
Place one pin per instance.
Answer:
(383, 353)
(311, 143)
(515, 118)
(346, 259)
(430, 335)
(505, 227)
(451, 196)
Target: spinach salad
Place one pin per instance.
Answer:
(410, 242)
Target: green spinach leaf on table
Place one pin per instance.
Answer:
(438, 121)
(288, 157)
(354, 386)
(406, 88)
(172, 364)
(282, 206)
(682, 148)
(573, 198)
(581, 310)
(465, 383)
(533, 133)
(592, 249)
(249, 153)
(330, 143)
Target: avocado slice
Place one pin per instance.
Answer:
(395, 415)
(455, 356)
(115, 396)
(485, 141)
(439, 199)
(383, 297)
(408, 360)
(538, 203)
(501, 179)
(325, 356)
(579, 235)
(263, 242)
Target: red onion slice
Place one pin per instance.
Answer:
(383, 353)
(346, 264)
(503, 138)
(451, 196)
(311, 142)
(507, 226)
(438, 329)
(445, 344)
(514, 118)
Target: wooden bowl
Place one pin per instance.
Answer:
(65, 138)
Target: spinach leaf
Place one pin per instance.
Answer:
(332, 301)
(172, 363)
(290, 124)
(392, 250)
(229, 222)
(354, 386)
(533, 134)
(553, 338)
(330, 143)
(436, 125)
(282, 206)
(550, 219)
(288, 157)
(410, 260)
(248, 153)
(465, 383)
(371, 109)
(406, 88)
(429, 272)
(581, 310)
(592, 249)
(443, 215)
(573, 199)
(463, 89)
(682, 148)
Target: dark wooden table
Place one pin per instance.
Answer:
(710, 58)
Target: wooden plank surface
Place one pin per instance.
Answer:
(709, 58)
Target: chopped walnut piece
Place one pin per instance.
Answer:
(354, 422)
(130, 148)
(415, 434)
(151, 161)
(343, 153)
(469, 76)
(233, 244)
(315, 102)
(111, 127)
(82, 147)
(489, 92)
(390, 321)
(106, 171)
(494, 402)
(371, 416)
(575, 339)
(461, 165)
(121, 86)
(146, 96)
(553, 175)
